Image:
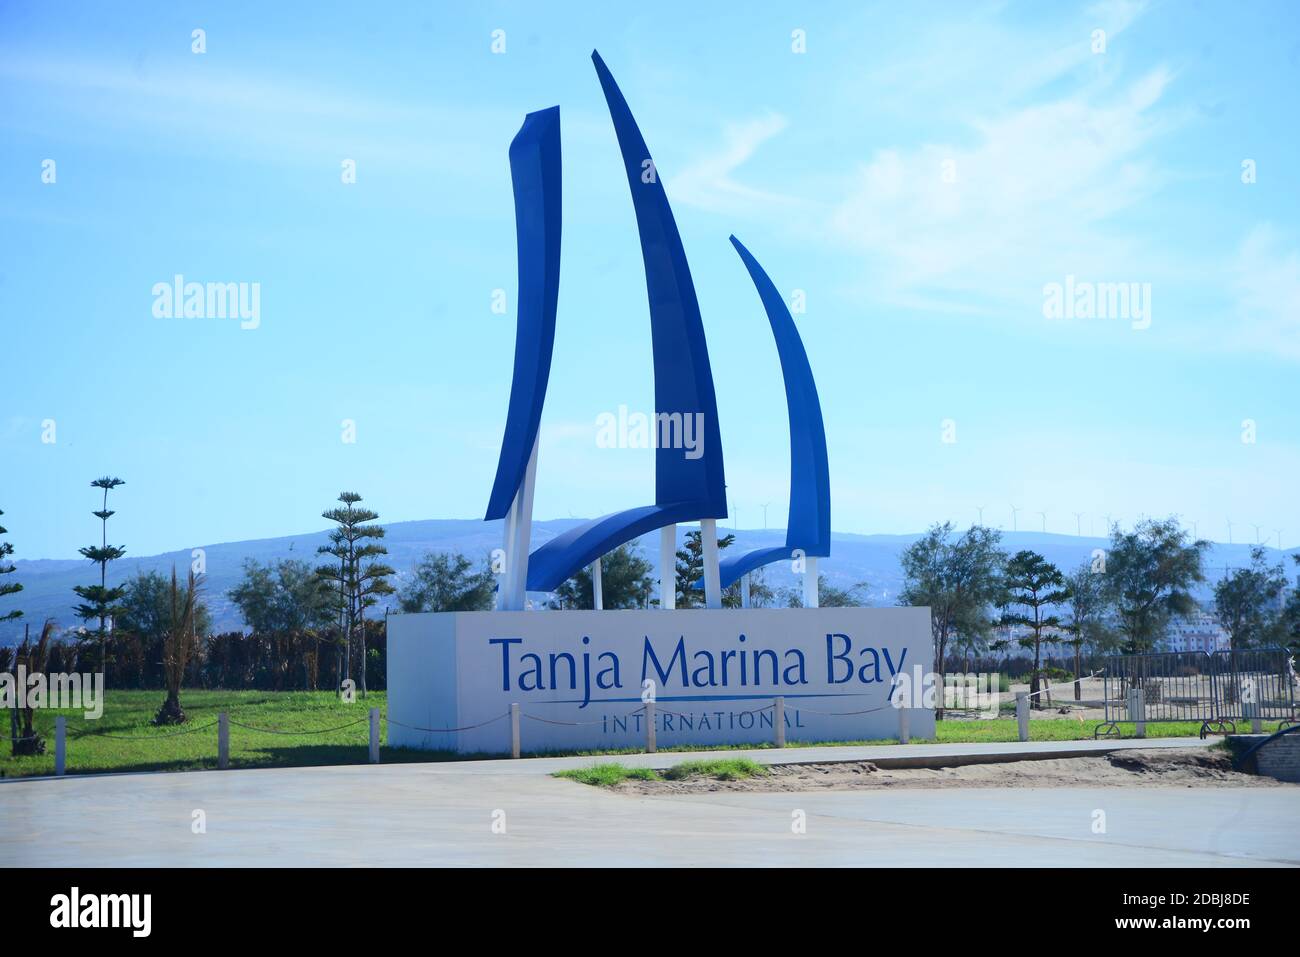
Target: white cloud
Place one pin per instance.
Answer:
(709, 183)
(1266, 279)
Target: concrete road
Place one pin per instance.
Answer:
(475, 814)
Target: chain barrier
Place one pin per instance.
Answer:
(468, 727)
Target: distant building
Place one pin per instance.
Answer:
(1199, 632)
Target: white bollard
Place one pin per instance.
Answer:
(374, 735)
(60, 745)
(514, 730)
(1022, 714)
(223, 741)
(650, 727)
(778, 721)
(1137, 710)
(904, 732)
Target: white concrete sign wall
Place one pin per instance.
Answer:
(581, 677)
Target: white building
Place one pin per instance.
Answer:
(1199, 632)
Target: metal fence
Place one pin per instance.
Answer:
(1217, 689)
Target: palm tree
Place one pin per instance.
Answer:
(179, 642)
(23, 736)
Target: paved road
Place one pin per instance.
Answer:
(423, 814)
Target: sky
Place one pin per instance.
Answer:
(920, 176)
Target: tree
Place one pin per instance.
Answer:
(351, 543)
(626, 581)
(690, 569)
(1034, 584)
(8, 568)
(100, 601)
(959, 580)
(1149, 573)
(33, 659)
(146, 615)
(179, 644)
(1088, 603)
(286, 603)
(828, 596)
(1248, 602)
(447, 582)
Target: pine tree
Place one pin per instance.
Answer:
(355, 586)
(690, 569)
(101, 601)
(8, 568)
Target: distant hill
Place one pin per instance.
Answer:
(47, 583)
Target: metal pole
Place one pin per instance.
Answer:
(778, 720)
(810, 594)
(709, 558)
(223, 741)
(650, 727)
(904, 732)
(668, 567)
(597, 594)
(60, 745)
(1137, 711)
(1022, 714)
(374, 735)
(514, 730)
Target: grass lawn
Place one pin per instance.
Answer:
(125, 740)
(611, 773)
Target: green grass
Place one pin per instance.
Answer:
(136, 745)
(610, 773)
(724, 769)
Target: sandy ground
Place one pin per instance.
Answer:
(1189, 767)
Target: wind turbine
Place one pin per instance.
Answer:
(1044, 517)
(1279, 538)
(1014, 510)
(1257, 528)
(1229, 531)
(980, 509)
(764, 506)
(1078, 524)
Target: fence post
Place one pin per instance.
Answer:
(778, 720)
(1137, 710)
(60, 745)
(223, 740)
(904, 732)
(374, 735)
(1022, 714)
(514, 730)
(650, 727)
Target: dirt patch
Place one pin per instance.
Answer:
(1189, 767)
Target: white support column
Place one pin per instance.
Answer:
(597, 598)
(810, 582)
(668, 567)
(744, 590)
(518, 529)
(709, 555)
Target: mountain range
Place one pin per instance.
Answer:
(873, 559)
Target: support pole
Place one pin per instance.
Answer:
(60, 745)
(1022, 714)
(709, 556)
(374, 735)
(1137, 711)
(904, 731)
(650, 727)
(597, 597)
(778, 720)
(810, 595)
(668, 567)
(518, 529)
(223, 740)
(514, 730)
(744, 590)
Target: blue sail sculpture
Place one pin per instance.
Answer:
(686, 489)
(809, 526)
(535, 173)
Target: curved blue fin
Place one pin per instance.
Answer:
(535, 172)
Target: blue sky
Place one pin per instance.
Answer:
(921, 172)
